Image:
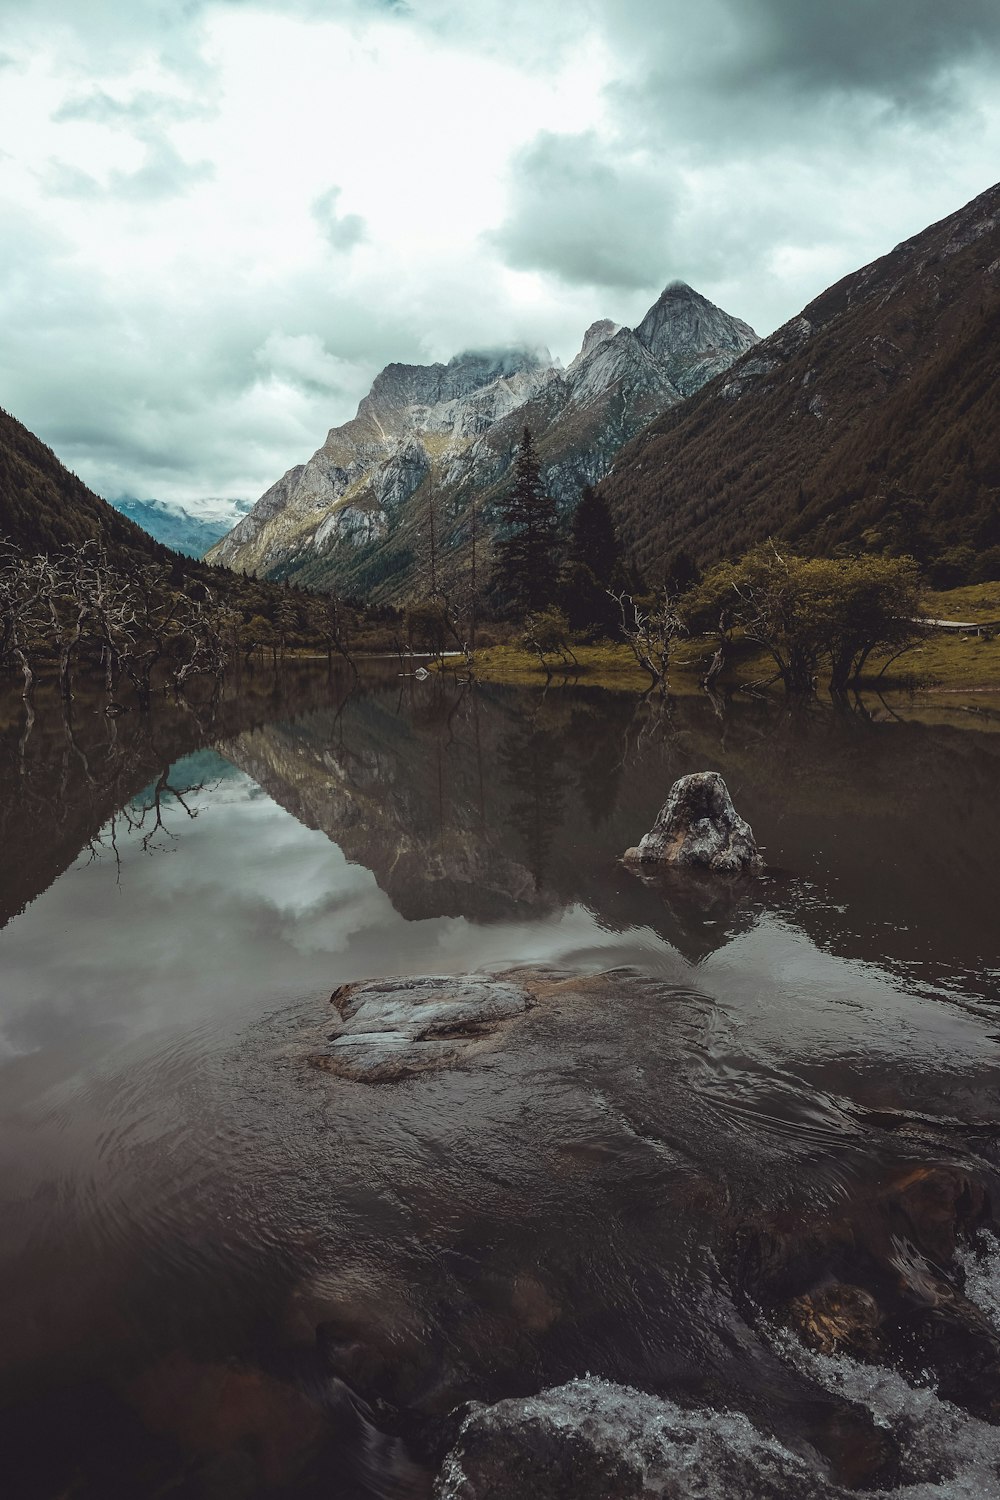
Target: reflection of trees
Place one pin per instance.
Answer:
(79, 768)
(594, 752)
(529, 755)
(146, 818)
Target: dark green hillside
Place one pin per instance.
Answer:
(44, 507)
(46, 510)
(872, 420)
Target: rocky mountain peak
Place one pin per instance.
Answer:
(598, 333)
(400, 386)
(692, 338)
(354, 515)
(682, 321)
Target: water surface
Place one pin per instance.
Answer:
(185, 1203)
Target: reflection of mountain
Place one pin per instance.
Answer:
(409, 795)
(494, 803)
(497, 804)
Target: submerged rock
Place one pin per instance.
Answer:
(698, 826)
(393, 1028)
(590, 1440)
(838, 1317)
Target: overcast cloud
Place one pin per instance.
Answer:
(221, 219)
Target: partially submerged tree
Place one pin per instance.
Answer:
(547, 635)
(805, 612)
(650, 627)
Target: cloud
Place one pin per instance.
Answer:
(761, 52)
(900, 50)
(163, 174)
(187, 305)
(588, 214)
(143, 109)
(341, 231)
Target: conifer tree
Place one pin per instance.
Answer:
(595, 541)
(526, 567)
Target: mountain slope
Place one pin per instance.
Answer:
(873, 419)
(44, 507)
(191, 529)
(439, 440)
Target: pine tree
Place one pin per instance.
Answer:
(595, 541)
(526, 568)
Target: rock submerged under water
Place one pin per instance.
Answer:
(394, 1028)
(818, 1255)
(590, 1440)
(699, 827)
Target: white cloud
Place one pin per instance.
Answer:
(223, 218)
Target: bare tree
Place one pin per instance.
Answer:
(650, 632)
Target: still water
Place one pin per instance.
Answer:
(223, 1272)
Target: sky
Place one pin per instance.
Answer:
(220, 219)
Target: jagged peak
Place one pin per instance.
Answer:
(400, 385)
(680, 289)
(683, 321)
(598, 333)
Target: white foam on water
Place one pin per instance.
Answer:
(981, 1265)
(932, 1434)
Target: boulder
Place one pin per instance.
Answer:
(393, 1028)
(590, 1440)
(698, 827)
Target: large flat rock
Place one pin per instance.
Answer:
(394, 1028)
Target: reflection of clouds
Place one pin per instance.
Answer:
(245, 911)
(801, 1002)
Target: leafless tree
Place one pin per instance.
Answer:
(650, 632)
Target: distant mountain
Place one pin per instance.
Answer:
(871, 419)
(192, 528)
(44, 507)
(441, 438)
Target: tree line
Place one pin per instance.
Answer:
(143, 623)
(137, 624)
(810, 616)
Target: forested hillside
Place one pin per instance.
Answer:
(872, 420)
(44, 507)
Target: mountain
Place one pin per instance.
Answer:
(44, 507)
(871, 419)
(192, 528)
(441, 438)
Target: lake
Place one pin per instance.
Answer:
(226, 1272)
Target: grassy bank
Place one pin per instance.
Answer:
(940, 662)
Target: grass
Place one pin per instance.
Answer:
(940, 663)
(976, 601)
(605, 665)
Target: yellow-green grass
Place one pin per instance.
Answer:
(975, 601)
(941, 662)
(605, 665)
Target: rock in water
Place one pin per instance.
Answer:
(698, 826)
(394, 1028)
(590, 1440)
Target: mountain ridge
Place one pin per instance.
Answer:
(190, 529)
(44, 507)
(356, 517)
(871, 419)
